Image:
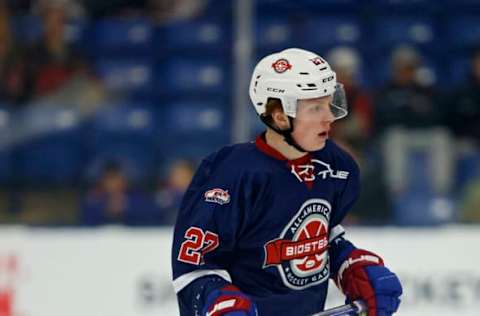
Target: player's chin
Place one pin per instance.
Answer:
(315, 145)
(319, 147)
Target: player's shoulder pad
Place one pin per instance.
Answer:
(235, 158)
(232, 160)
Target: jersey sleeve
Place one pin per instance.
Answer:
(210, 218)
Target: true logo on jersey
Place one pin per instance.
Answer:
(301, 251)
(318, 168)
(281, 65)
(218, 196)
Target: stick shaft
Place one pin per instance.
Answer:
(355, 307)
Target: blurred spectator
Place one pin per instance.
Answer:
(12, 87)
(470, 202)
(161, 11)
(164, 11)
(113, 200)
(170, 193)
(464, 106)
(20, 7)
(404, 101)
(74, 9)
(51, 70)
(353, 134)
(354, 130)
(124, 8)
(408, 116)
(464, 118)
(52, 61)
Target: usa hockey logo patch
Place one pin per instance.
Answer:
(218, 196)
(301, 251)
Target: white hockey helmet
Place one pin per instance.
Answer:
(294, 74)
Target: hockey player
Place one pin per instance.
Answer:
(259, 230)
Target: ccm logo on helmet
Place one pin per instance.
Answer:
(276, 90)
(328, 79)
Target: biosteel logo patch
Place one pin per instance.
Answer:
(301, 251)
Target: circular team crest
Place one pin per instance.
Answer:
(312, 228)
(301, 251)
(281, 65)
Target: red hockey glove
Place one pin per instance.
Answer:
(229, 301)
(363, 276)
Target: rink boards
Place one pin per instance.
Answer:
(126, 272)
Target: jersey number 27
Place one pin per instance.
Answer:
(198, 243)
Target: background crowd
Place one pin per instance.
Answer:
(106, 107)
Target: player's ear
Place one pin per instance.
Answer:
(280, 119)
(274, 114)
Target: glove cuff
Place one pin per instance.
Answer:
(228, 299)
(358, 258)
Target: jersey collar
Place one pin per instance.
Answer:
(268, 150)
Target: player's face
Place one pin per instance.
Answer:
(312, 122)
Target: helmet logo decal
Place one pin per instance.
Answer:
(317, 60)
(281, 65)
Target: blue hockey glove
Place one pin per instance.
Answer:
(363, 276)
(229, 301)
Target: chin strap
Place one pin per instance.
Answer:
(287, 133)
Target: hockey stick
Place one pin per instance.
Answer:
(356, 307)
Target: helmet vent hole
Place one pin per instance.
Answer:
(258, 77)
(299, 85)
(325, 90)
(259, 103)
(322, 69)
(311, 85)
(256, 83)
(304, 73)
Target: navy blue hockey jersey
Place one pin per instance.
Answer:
(265, 224)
